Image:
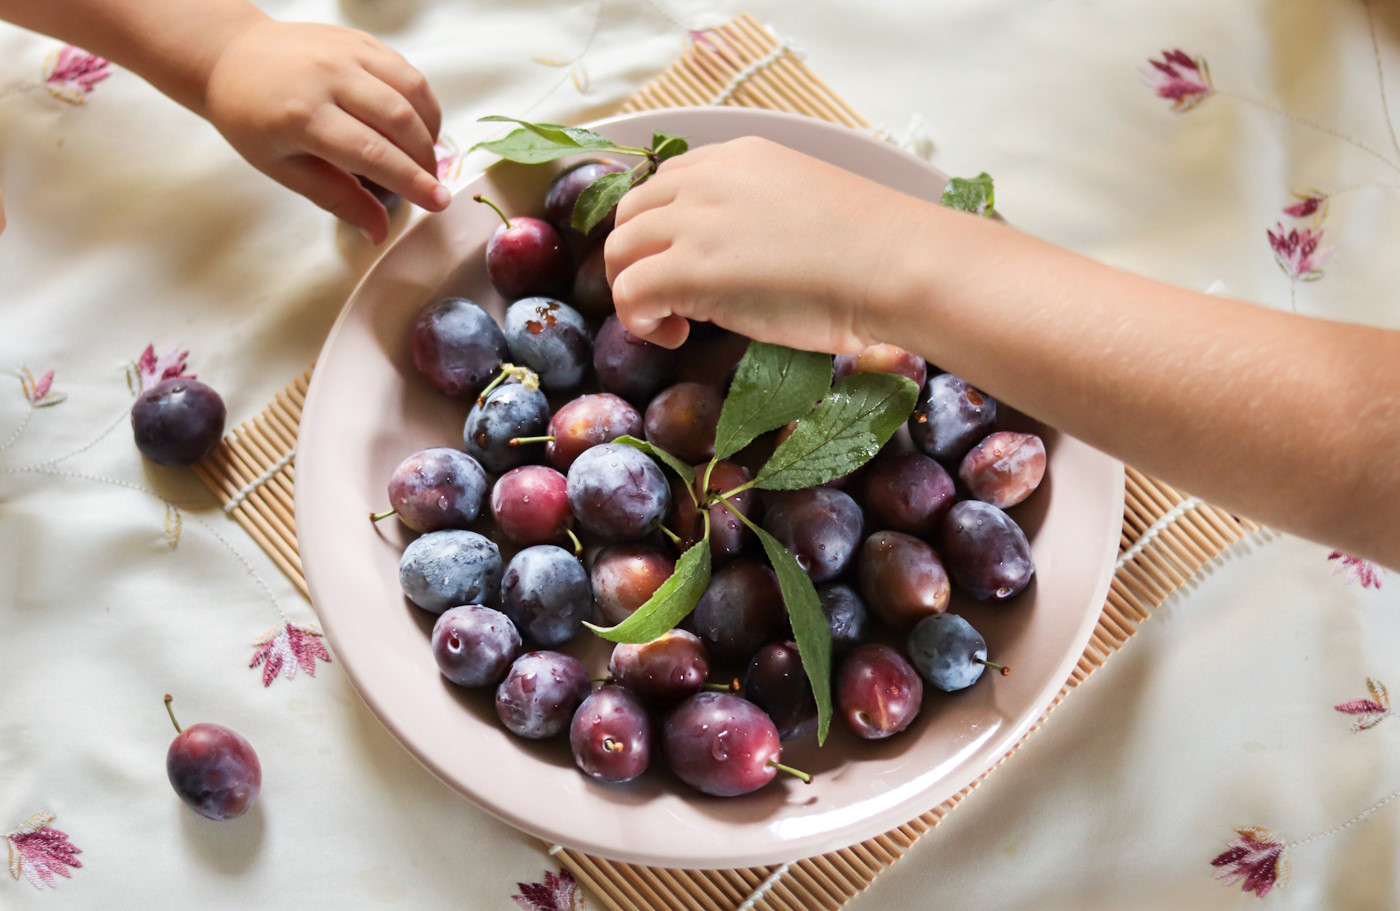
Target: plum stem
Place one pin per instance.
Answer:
(605, 679)
(738, 490)
(731, 687)
(479, 198)
(527, 377)
(526, 441)
(376, 516)
(612, 746)
(675, 538)
(171, 712)
(1005, 671)
(796, 773)
(578, 545)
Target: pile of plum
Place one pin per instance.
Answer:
(551, 467)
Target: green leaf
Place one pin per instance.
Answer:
(970, 194)
(526, 147)
(656, 452)
(676, 597)
(773, 386)
(665, 146)
(809, 625)
(842, 433)
(577, 137)
(598, 199)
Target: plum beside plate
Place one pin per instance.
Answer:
(367, 408)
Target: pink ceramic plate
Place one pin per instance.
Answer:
(367, 409)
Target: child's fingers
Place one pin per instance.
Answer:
(645, 235)
(335, 191)
(350, 145)
(397, 73)
(657, 191)
(387, 112)
(644, 307)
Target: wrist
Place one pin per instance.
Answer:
(187, 76)
(901, 291)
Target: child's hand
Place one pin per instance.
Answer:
(761, 240)
(312, 105)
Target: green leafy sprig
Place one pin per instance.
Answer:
(970, 194)
(838, 430)
(536, 143)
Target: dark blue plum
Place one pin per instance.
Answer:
(986, 552)
(617, 492)
(475, 645)
(540, 694)
(845, 614)
(457, 346)
(741, 609)
(777, 683)
(947, 652)
(629, 366)
(551, 339)
(437, 488)
(820, 526)
(510, 410)
(178, 421)
(950, 418)
(592, 294)
(545, 592)
(448, 568)
(564, 192)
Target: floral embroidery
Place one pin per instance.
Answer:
(449, 158)
(148, 369)
(38, 851)
(1256, 856)
(1358, 570)
(285, 648)
(1309, 204)
(1180, 79)
(1298, 253)
(71, 73)
(556, 893)
(39, 392)
(1370, 712)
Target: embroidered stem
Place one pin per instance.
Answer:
(23, 423)
(1380, 76)
(242, 494)
(737, 81)
(1155, 529)
(1293, 295)
(19, 88)
(115, 482)
(1359, 817)
(1313, 126)
(763, 887)
(116, 422)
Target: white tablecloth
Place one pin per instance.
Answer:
(131, 223)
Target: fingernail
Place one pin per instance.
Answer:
(366, 235)
(441, 196)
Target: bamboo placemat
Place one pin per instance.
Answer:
(1167, 537)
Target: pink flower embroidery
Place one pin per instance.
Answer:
(1257, 858)
(1370, 712)
(283, 649)
(1358, 570)
(448, 156)
(150, 369)
(1298, 253)
(39, 392)
(39, 852)
(556, 893)
(1308, 204)
(1183, 81)
(70, 73)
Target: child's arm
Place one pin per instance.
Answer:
(308, 105)
(1293, 421)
